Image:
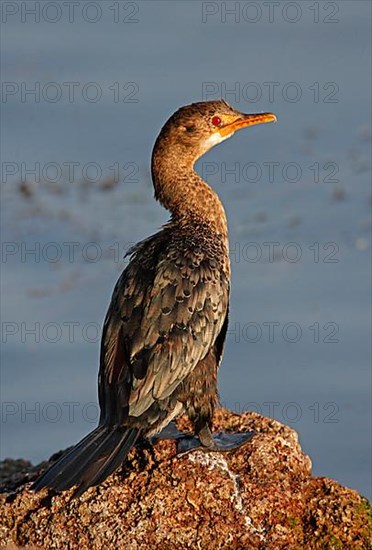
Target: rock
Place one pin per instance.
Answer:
(259, 496)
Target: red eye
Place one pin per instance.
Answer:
(216, 121)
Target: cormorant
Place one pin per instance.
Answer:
(164, 331)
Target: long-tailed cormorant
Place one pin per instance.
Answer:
(165, 328)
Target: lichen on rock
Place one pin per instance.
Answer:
(261, 495)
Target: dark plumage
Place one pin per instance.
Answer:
(165, 328)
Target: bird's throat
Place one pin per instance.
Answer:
(188, 197)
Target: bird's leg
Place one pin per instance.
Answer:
(206, 438)
(198, 394)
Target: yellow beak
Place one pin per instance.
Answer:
(246, 120)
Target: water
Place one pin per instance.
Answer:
(296, 193)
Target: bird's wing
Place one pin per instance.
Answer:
(161, 322)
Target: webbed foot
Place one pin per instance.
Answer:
(220, 442)
(205, 440)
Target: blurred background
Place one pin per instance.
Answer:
(86, 87)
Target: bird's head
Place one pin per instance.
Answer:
(186, 136)
(196, 128)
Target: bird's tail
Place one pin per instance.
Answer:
(90, 461)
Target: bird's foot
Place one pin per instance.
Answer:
(217, 442)
(205, 440)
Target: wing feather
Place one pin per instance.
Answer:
(166, 312)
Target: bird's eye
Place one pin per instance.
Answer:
(216, 121)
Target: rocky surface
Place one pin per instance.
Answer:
(259, 496)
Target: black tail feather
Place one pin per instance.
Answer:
(103, 467)
(91, 461)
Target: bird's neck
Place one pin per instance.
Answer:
(184, 193)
